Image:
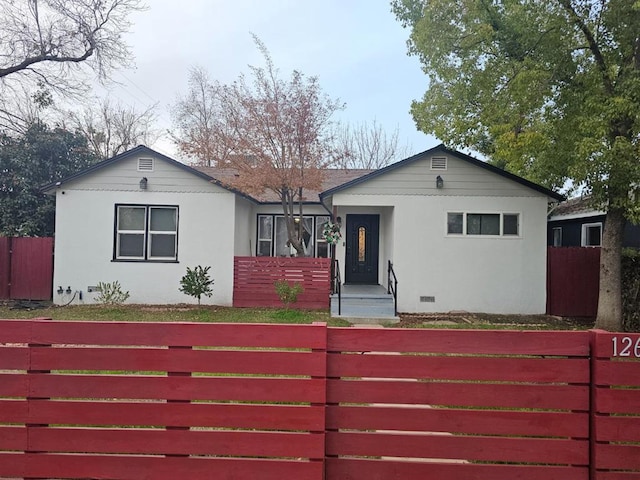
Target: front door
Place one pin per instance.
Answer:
(361, 261)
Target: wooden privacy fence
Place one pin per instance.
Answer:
(254, 281)
(26, 268)
(573, 274)
(169, 400)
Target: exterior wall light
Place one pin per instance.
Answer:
(439, 182)
(143, 183)
(339, 221)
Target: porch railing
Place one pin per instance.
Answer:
(336, 284)
(392, 286)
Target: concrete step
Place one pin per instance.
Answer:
(364, 306)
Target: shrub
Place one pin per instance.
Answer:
(111, 293)
(196, 282)
(288, 293)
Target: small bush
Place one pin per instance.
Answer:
(111, 293)
(197, 282)
(288, 293)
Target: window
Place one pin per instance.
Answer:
(273, 238)
(145, 232)
(489, 224)
(454, 223)
(483, 224)
(265, 235)
(592, 234)
(557, 236)
(322, 248)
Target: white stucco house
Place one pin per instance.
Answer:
(462, 234)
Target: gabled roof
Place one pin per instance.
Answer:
(442, 149)
(142, 150)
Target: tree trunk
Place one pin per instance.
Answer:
(610, 295)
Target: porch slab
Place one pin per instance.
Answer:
(370, 304)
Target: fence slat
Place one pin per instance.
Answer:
(237, 361)
(358, 469)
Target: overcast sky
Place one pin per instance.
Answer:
(356, 47)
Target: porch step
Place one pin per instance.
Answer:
(363, 306)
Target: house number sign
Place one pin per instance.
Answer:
(626, 347)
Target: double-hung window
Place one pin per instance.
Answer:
(146, 233)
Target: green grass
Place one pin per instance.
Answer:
(174, 313)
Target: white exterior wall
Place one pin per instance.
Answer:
(244, 239)
(471, 273)
(84, 240)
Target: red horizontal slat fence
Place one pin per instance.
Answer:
(230, 401)
(616, 399)
(136, 401)
(457, 404)
(254, 281)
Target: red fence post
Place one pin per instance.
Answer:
(5, 267)
(33, 426)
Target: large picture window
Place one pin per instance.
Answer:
(489, 224)
(146, 233)
(273, 238)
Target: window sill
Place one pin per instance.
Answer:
(122, 260)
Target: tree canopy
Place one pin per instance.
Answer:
(275, 132)
(48, 48)
(548, 89)
(42, 155)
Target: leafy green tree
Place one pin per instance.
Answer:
(40, 156)
(548, 89)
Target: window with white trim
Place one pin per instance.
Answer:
(557, 236)
(591, 234)
(483, 224)
(273, 237)
(146, 233)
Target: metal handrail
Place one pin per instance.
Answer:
(392, 286)
(337, 284)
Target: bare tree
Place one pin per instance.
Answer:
(195, 118)
(50, 46)
(368, 146)
(112, 129)
(277, 134)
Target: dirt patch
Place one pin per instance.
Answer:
(486, 320)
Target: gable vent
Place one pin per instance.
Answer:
(145, 164)
(438, 163)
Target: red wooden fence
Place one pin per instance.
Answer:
(616, 399)
(120, 404)
(573, 274)
(171, 400)
(254, 279)
(26, 268)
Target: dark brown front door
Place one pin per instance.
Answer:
(361, 261)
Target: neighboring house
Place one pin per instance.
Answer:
(462, 234)
(575, 223)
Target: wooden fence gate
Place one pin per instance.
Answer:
(26, 268)
(573, 274)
